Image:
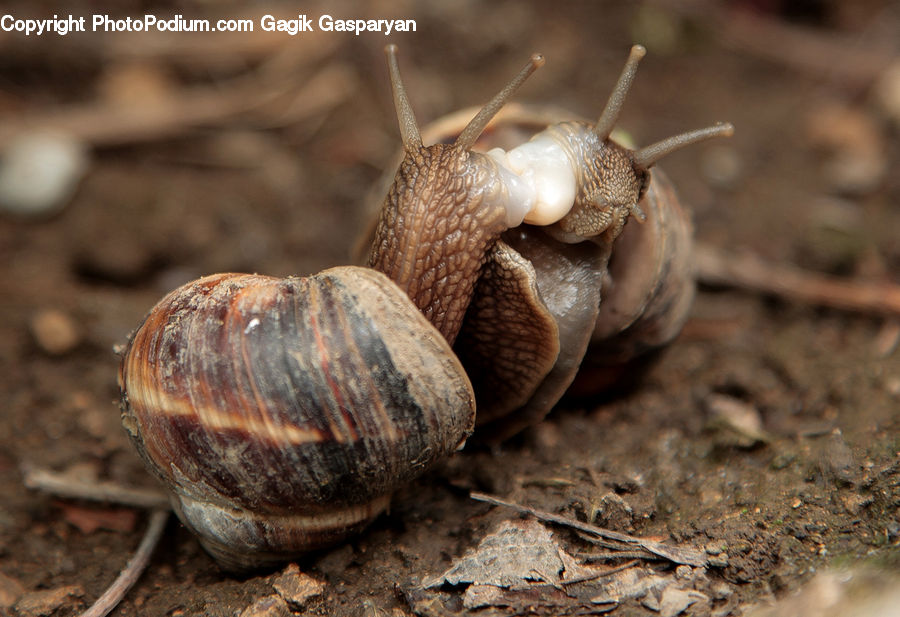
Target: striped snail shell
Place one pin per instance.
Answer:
(282, 413)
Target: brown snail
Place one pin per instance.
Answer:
(282, 413)
(537, 304)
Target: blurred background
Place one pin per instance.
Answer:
(132, 162)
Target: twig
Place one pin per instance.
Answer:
(563, 583)
(546, 582)
(133, 569)
(613, 546)
(688, 556)
(265, 101)
(853, 60)
(62, 485)
(719, 267)
(615, 554)
(601, 574)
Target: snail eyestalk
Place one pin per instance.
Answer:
(648, 156)
(610, 115)
(473, 130)
(409, 129)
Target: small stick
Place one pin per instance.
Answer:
(688, 556)
(719, 267)
(613, 546)
(611, 555)
(133, 569)
(62, 485)
(102, 124)
(853, 61)
(607, 572)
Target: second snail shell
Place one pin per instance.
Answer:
(282, 413)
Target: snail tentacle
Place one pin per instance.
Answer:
(469, 135)
(649, 155)
(409, 129)
(610, 116)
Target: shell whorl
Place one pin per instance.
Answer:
(292, 399)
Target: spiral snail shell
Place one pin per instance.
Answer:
(282, 413)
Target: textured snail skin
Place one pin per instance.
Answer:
(528, 327)
(282, 413)
(608, 183)
(440, 218)
(613, 306)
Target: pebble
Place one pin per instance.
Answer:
(740, 423)
(296, 587)
(684, 572)
(675, 601)
(614, 512)
(267, 606)
(39, 172)
(837, 461)
(714, 547)
(55, 332)
(854, 147)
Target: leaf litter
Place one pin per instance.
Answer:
(521, 568)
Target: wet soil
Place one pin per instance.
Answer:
(256, 192)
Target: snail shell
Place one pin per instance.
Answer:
(546, 312)
(282, 413)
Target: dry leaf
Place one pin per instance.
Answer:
(47, 601)
(518, 552)
(89, 520)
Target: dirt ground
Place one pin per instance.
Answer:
(256, 152)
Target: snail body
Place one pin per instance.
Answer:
(536, 310)
(282, 413)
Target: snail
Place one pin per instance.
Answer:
(282, 413)
(536, 307)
